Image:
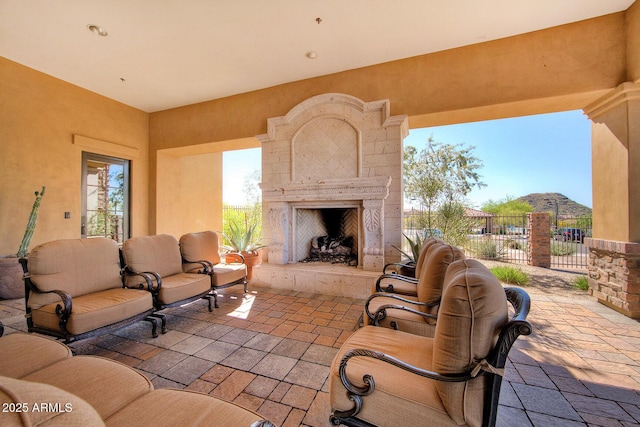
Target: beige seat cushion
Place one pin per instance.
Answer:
(60, 407)
(169, 408)
(96, 310)
(400, 398)
(182, 286)
(471, 315)
(42, 352)
(197, 247)
(105, 384)
(160, 254)
(76, 266)
(228, 273)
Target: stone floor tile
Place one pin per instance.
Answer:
(263, 342)
(261, 386)
(233, 385)
(201, 386)
(243, 358)
(294, 419)
(274, 366)
(217, 351)
(159, 382)
(162, 362)
(320, 354)
(595, 406)
(570, 385)
(214, 332)
(248, 401)
(534, 375)
(511, 417)
(291, 348)
(299, 397)
(545, 401)
(280, 391)
(307, 374)
(275, 412)
(192, 344)
(167, 340)
(508, 397)
(238, 336)
(319, 412)
(188, 370)
(217, 374)
(544, 420)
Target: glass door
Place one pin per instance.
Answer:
(105, 197)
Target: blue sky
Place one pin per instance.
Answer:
(532, 154)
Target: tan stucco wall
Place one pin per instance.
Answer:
(39, 116)
(633, 42)
(189, 189)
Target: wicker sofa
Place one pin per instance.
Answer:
(42, 384)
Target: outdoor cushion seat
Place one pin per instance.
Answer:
(42, 353)
(72, 410)
(392, 282)
(415, 314)
(386, 377)
(201, 254)
(75, 289)
(119, 384)
(155, 263)
(193, 409)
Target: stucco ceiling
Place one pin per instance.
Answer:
(161, 54)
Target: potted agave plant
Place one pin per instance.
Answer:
(11, 284)
(243, 237)
(409, 268)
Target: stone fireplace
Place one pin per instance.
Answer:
(333, 156)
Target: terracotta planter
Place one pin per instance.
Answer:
(250, 259)
(11, 282)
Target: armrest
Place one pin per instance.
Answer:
(356, 393)
(148, 277)
(398, 264)
(239, 257)
(381, 313)
(396, 297)
(207, 266)
(393, 276)
(62, 311)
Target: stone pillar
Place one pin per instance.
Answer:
(614, 275)
(278, 220)
(538, 239)
(373, 235)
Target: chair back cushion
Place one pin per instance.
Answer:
(159, 253)
(199, 246)
(430, 241)
(431, 279)
(77, 266)
(472, 312)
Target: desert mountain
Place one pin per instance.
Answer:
(545, 202)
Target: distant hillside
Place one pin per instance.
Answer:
(544, 202)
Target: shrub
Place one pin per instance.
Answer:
(513, 244)
(514, 276)
(488, 249)
(581, 282)
(562, 249)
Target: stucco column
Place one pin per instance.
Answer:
(614, 261)
(278, 221)
(538, 242)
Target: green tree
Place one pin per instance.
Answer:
(439, 177)
(507, 206)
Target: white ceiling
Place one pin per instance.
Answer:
(177, 52)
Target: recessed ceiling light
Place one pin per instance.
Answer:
(311, 55)
(97, 29)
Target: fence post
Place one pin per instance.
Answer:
(539, 240)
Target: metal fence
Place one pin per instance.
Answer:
(504, 238)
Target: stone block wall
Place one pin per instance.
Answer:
(614, 275)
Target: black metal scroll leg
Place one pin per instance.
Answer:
(163, 320)
(154, 325)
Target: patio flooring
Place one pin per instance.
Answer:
(270, 351)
